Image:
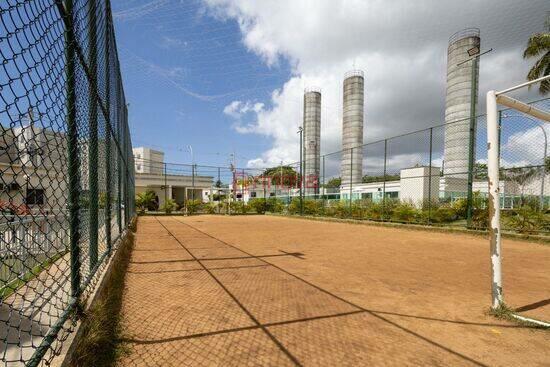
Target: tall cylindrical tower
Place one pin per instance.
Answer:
(312, 140)
(352, 127)
(461, 83)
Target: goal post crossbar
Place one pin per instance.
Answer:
(493, 168)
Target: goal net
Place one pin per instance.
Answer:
(502, 173)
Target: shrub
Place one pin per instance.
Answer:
(224, 207)
(193, 206)
(258, 205)
(274, 205)
(337, 209)
(310, 206)
(239, 207)
(376, 211)
(444, 214)
(527, 219)
(405, 212)
(460, 207)
(313, 207)
(211, 208)
(169, 206)
(146, 200)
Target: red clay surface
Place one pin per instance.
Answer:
(270, 291)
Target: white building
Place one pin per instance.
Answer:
(417, 185)
(166, 180)
(33, 169)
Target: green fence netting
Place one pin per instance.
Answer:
(66, 167)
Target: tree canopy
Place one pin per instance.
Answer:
(538, 46)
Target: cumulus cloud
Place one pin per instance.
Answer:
(401, 46)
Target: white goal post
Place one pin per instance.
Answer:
(493, 165)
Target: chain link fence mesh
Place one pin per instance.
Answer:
(66, 168)
(403, 179)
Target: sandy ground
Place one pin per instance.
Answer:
(270, 291)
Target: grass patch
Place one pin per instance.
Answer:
(505, 312)
(17, 283)
(98, 343)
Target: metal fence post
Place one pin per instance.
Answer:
(165, 184)
(301, 174)
(350, 181)
(219, 185)
(430, 179)
(108, 128)
(471, 153)
(323, 188)
(126, 168)
(384, 180)
(119, 163)
(93, 196)
(72, 150)
(193, 181)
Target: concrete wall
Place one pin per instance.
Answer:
(312, 138)
(53, 184)
(458, 101)
(352, 128)
(148, 160)
(417, 184)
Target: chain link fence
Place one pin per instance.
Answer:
(415, 178)
(408, 179)
(66, 168)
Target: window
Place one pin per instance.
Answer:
(35, 197)
(392, 194)
(253, 194)
(366, 195)
(271, 194)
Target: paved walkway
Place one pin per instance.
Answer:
(192, 299)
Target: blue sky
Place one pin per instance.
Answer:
(181, 67)
(228, 75)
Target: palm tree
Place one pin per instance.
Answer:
(539, 44)
(146, 200)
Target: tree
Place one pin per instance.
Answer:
(389, 177)
(538, 45)
(285, 175)
(334, 182)
(480, 171)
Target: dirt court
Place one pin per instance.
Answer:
(274, 291)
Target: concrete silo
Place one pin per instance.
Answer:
(458, 102)
(312, 140)
(352, 127)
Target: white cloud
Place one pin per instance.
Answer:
(523, 148)
(169, 43)
(401, 46)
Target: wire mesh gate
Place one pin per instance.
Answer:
(66, 167)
